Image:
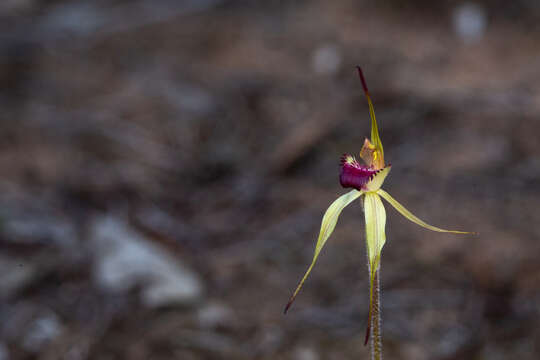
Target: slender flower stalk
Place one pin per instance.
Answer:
(375, 321)
(366, 181)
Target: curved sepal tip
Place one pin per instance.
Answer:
(328, 224)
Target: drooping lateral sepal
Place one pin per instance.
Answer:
(328, 224)
(406, 213)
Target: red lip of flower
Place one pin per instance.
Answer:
(366, 181)
(354, 175)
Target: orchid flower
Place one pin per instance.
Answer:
(366, 181)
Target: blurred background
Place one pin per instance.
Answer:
(165, 166)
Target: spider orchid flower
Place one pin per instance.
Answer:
(366, 181)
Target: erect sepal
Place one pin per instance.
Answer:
(378, 152)
(328, 224)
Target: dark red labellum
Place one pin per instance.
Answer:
(354, 175)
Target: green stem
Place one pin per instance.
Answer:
(376, 339)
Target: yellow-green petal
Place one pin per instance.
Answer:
(375, 215)
(403, 211)
(375, 222)
(328, 224)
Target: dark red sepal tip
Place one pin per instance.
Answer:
(287, 307)
(368, 332)
(361, 74)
